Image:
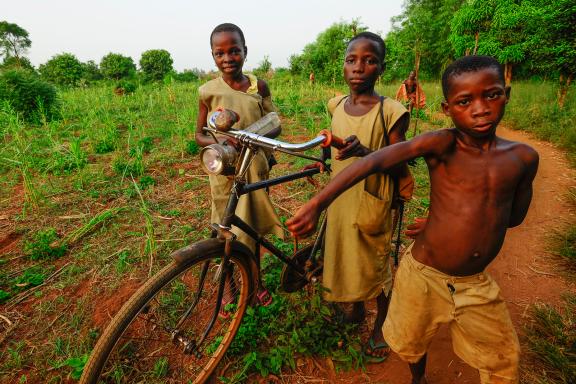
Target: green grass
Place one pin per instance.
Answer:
(533, 107)
(551, 335)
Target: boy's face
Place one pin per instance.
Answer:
(476, 101)
(362, 65)
(228, 52)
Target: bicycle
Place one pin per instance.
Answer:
(171, 325)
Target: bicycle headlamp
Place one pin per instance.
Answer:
(219, 159)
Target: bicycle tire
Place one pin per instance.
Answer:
(159, 360)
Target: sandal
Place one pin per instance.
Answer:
(371, 348)
(264, 297)
(223, 313)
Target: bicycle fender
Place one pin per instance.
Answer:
(189, 252)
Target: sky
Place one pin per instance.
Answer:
(92, 29)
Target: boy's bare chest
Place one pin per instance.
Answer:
(479, 174)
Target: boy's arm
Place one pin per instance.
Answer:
(429, 144)
(523, 195)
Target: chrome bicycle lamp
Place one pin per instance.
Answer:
(219, 159)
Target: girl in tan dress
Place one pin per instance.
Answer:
(250, 98)
(359, 229)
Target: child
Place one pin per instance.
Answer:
(411, 93)
(359, 228)
(481, 185)
(251, 99)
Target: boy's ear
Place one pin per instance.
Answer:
(245, 51)
(507, 90)
(445, 108)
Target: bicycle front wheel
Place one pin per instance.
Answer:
(154, 337)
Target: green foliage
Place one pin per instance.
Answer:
(76, 364)
(552, 341)
(64, 69)
(188, 75)
(4, 296)
(17, 63)
(264, 69)
(14, 40)
(124, 87)
(300, 324)
(116, 66)
(325, 56)
(30, 96)
(423, 28)
(155, 64)
(91, 72)
(31, 277)
(44, 245)
(192, 147)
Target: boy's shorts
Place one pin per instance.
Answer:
(483, 336)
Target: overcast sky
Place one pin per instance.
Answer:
(91, 29)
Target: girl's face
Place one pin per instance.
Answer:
(362, 65)
(228, 52)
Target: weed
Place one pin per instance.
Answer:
(44, 246)
(76, 364)
(4, 296)
(192, 147)
(29, 278)
(552, 341)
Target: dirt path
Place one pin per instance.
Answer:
(523, 270)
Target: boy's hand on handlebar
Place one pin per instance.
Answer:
(304, 221)
(353, 148)
(414, 229)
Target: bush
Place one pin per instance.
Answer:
(29, 95)
(187, 76)
(124, 87)
(64, 69)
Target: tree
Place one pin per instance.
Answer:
(14, 40)
(64, 69)
(115, 66)
(419, 38)
(553, 44)
(498, 28)
(156, 63)
(325, 56)
(91, 72)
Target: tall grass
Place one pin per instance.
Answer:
(534, 108)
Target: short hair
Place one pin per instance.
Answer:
(374, 37)
(227, 27)
(469, 64)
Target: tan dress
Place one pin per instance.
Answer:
(359, 230)
(254, 208)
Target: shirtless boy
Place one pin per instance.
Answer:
(481, 185)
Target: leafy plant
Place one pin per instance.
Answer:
(63, 69)
(192, 148)
(30, 96)
(44, 245)
(116, 66)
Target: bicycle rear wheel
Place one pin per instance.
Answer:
(152, 340)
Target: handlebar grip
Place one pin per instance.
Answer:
(332, 140)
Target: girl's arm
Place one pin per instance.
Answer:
(267, 105)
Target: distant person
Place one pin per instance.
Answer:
(311, 78)
(481, 185)
(410, 93)
(359, 227)
(251, 99)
